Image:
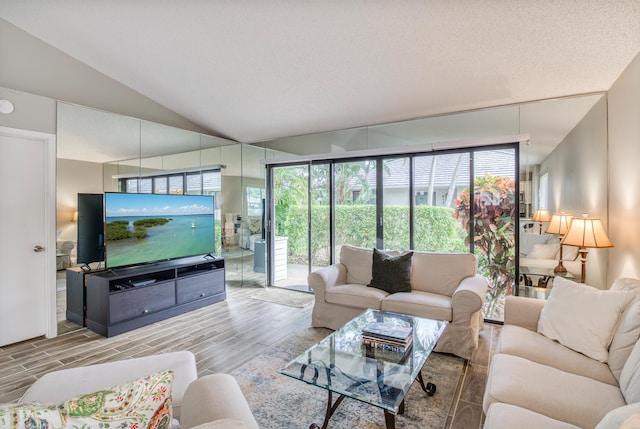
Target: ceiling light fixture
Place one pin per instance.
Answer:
(6, 107)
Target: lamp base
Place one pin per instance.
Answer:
(560, 268)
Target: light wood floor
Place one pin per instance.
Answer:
(222, 336)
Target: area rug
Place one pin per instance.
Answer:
(281, 402)
(284, 297)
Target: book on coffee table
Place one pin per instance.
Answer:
(385, 331)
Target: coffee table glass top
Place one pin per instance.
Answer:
(341, 364)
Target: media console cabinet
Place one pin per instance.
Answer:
(121, 299)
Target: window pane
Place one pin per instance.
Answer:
(320, 213)
(355, 204)
(176, 184)
(254, 201)
(438, 179)
(395, 182)
(291, 242)
(210, 182)
(194, 184)
(132, 186)
(145, 185)
(160, 185)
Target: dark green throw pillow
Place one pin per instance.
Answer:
(391, 273)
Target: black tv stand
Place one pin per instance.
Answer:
(119, 300)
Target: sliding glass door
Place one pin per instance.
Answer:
(454, 201)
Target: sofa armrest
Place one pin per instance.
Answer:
(327, 277)
(468, 298)
(59, 386)
(523, 312)
(213, 398)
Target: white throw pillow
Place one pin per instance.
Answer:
(544, 251)
(630, 376)
(621, 418)
(582, 317)
(628, 330)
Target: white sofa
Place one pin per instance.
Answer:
(537, 382)
(215, 400)
(444, 286)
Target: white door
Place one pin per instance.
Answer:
(27, 237)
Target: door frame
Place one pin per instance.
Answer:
(49, 218)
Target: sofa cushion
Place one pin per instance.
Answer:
(626, 417)
(582, 317)
(391, 273)
(518, 341)
(421, 304)
(549, 391)
(630, 376)
(358, 262)
(441, 273)
(509, 416)
(544, 251)
(628, 331)
(143, 403)
(355, 295)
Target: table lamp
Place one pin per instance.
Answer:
(559, 225)
(586, 232)
(541, 216)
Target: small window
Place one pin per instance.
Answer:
(176, 184)
(160, 185)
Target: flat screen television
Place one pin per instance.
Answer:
(144, 228)
(90, 228)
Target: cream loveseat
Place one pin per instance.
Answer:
(212, 401)
(443, 286)
(570, 362)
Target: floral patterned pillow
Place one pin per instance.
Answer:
(144, 403)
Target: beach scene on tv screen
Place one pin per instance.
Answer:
(149, 227)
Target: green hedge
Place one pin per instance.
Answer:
(435, 229)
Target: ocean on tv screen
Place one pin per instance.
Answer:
(159, 238)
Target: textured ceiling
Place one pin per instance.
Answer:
(260, 70)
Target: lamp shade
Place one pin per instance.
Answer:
(74, 217)
(541, 216)
(586, 232)
(559, 224)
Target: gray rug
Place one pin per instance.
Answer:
(284, 297)
(280, 402)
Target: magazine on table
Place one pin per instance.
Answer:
(389, 332)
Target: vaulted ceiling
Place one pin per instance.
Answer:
(259, 70)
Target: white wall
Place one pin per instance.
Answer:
(578, 180)
(624, 192)
(30, 65)
(74, 177)
(32, 112)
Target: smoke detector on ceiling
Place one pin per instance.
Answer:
(6, 107)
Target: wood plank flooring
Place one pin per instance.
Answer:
(222, 336)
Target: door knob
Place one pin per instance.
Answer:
(38, 249)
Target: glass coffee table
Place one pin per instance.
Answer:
(342, 365)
